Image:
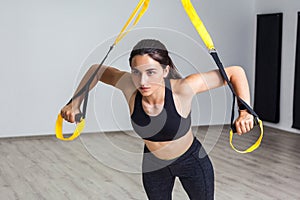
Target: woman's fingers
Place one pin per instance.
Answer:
(68, 113)
(244, 123)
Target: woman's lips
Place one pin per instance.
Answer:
(144, 88)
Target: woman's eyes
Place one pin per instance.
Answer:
(136, 72)
(150, 72)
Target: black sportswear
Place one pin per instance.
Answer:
(166, 126)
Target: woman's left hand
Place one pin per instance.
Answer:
(244, 123)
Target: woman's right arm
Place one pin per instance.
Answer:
(108, 75)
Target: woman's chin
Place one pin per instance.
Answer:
(145, 93)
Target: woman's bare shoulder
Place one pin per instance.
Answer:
(182, 87)
(118, 79)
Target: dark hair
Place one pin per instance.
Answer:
(158, 52)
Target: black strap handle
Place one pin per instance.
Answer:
(85, 90)
(241, 101)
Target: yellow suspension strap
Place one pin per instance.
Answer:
(199, 26)
(80, 118)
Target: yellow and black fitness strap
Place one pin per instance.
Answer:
(80, 118)
(201, 29)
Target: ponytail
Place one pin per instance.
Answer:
(173, 71)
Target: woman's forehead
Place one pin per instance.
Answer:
(144, 61)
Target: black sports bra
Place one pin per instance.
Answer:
(166, 126)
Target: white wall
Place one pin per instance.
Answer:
(289, 9)
(47, 45)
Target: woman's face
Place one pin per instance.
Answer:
(147, 74)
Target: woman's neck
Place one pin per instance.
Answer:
(157, 97)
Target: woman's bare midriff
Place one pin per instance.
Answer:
(171, 149)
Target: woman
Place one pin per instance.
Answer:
(160, 105)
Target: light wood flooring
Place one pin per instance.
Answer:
(107, 166)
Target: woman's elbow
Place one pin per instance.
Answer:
(237, 71)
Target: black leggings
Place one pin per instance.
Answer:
(194, 170)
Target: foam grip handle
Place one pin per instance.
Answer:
(59, 124)
(255, 145)
(233, 128)
(78, 117)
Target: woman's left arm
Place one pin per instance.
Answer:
(237, 76)
(209, 80)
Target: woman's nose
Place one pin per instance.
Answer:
(143, 79)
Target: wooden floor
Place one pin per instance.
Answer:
(107, 166)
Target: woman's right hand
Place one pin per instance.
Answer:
(68, 112)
